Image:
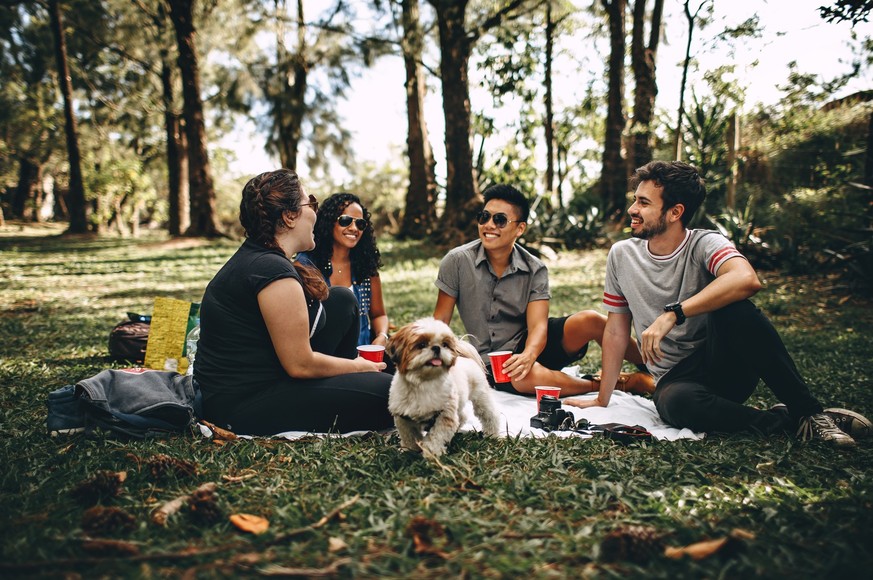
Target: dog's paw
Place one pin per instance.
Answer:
(432, 451)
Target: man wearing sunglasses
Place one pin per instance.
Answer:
(502, 294)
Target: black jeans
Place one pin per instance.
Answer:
(350, 402)
(706, 391)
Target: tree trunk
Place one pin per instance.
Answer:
(76, 198)
(643, 60)
(177, 158)
(613, 178)
(868, 157)
(677, 142)
(28, 174)
(733, 144)
(549, 124)
(202, 192)
(462, 192)
(420, 213)
(295, 79)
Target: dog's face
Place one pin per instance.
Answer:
(426, 345)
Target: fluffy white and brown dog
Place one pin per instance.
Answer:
(437, 373)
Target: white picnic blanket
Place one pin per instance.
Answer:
(623, 408)
(517, 410)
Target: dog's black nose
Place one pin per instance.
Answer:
(436, 350)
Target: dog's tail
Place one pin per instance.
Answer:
(467, 350)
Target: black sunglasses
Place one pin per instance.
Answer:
(500, 219)
(346, 220)
(313, 203)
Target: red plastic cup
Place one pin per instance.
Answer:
(373, 352)
(553, 391)
(497, 360)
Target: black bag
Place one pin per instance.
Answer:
(127, 341)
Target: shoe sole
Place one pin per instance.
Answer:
(854, 424)
(59, 432)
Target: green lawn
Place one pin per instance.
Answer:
(498, 508)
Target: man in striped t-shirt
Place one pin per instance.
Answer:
(686, 293)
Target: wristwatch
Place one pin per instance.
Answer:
(676, 308)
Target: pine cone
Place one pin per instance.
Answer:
(204, 508)
(103, 485)
(162, 466)
(635, 544)
(103, 521)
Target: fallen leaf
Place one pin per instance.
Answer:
(218, 433)
(697, 551)
(110, 548)
(250, 523)
(428, 537)
(741, 534)
(336, 544)
(722, 546)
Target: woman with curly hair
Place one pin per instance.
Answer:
(259, 375)
(346, 253)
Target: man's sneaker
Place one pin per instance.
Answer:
(821, 426)
(854, 424)
(634, 383)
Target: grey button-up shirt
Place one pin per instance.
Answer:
(492, 309)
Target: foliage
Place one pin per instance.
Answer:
(538, 508)
(579, 226)
(855, 11)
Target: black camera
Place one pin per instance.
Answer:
(552, 416)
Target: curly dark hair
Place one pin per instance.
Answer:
(365, 256)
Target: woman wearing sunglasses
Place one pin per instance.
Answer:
(258, 373)
(346, 253)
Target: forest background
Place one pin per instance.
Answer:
(155, 100)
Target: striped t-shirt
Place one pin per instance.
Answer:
(641, 283)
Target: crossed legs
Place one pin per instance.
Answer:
(579, 329)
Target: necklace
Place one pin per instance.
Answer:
(331, 266)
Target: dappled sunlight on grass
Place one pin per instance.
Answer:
(506, 507)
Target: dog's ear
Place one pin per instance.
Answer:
(397, 347)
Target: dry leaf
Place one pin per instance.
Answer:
(697, 551)
(218, 433)
(336, 544)
(250, 523)
(428, 536)
(741, 534)
(110, 547)
(722, 546)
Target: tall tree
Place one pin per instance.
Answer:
(76, 198)
(643, 63)
(201, 190)
(692, 20)
(28, 116)
(613, 175)
(549, 121)
(420, 211)
(456, 42)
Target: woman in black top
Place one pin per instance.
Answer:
(277, 347)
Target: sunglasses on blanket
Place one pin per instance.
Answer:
(345, 221)
(500, 219)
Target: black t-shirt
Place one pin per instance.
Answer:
(235, 353)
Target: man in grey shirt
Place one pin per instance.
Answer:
(686, 293)
(502, 294)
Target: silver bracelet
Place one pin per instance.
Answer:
(383, 334)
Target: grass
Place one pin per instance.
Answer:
(500, 508)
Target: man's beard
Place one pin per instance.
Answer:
(648, 232)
